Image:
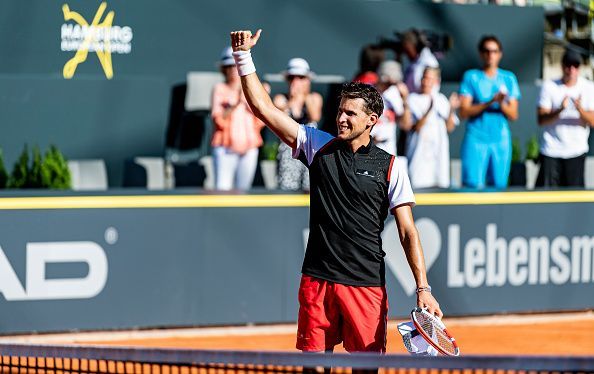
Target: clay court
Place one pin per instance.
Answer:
(565, 334)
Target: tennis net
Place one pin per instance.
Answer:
(24, 358)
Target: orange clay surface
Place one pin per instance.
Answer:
(556, 334)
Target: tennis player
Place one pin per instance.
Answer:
(354, 185)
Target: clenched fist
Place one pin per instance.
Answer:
(244, 40)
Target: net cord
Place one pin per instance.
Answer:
(169, 356)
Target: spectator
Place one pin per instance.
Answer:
(370, 58)
(489, 99)
(419, 55)
(305, 107)
(565, 114)
(236, 136)
(394, 92)
(433, 117)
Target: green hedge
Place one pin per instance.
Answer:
(48, 171)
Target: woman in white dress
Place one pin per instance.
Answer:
(433, 117)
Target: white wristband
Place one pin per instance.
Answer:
(243, 61)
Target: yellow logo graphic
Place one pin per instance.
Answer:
(100, 37)
(91, 38)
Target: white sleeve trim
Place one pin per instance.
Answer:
(399, 189)
(310, 140)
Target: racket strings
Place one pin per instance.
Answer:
(435, 333)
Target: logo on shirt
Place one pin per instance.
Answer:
(365, 173)
(100, 37)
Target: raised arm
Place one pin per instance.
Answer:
(257, 97)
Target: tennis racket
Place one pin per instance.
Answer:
(434, 332)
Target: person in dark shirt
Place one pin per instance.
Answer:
(353, 186)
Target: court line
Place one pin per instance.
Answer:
(280, 329)
(270, 201)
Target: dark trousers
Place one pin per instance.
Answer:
(561, 172)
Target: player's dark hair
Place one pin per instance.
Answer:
(370, 95)
(489, 38)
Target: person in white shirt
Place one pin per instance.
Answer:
(565, 115)
(415, 47)
(394, 92)
(433, 116)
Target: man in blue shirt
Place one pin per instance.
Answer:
(489, 99)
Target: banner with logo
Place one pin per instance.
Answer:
(109, 262)
(505, 258)
(96, 35)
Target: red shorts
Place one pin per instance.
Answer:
(331, 313)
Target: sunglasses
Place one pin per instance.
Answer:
(291, 77)
(489, 51)
(572, 65)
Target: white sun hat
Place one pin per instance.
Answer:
(227, 57)
(298, 66)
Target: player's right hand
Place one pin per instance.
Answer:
(426, 300)
(244, 40)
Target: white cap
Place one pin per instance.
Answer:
(390, 71)
(298, 66)
(227, 57)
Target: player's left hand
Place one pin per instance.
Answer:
(426, 300)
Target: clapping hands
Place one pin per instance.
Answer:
(454, 101)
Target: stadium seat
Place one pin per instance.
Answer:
(88, 175)
(199, 89)
(269, 170)
(455, 173)
(532, 169)
(589, 172)
(145, 172)
(207, 163)
(155, 168)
